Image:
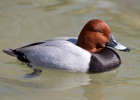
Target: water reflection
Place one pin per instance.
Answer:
(92, 85)
(89, 86)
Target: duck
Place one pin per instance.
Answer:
(90, 52)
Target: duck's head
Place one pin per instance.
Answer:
(96, 35)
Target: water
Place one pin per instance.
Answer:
(23, 22)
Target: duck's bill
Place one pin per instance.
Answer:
(113, 43)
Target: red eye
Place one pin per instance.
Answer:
(100, 31)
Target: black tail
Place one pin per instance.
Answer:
(9, 52)
(20, 56)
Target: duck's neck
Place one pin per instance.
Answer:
(86, 42)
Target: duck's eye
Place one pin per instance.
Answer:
(97, 30)
(100, 31)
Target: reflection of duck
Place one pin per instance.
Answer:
(88, 53)
(64, 80)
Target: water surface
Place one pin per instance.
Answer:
(23, 22)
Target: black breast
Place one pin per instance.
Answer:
(106, 60)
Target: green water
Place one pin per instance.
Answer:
(26, 21)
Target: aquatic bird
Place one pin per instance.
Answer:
(90, 52)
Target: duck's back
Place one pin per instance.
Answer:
(106, 60)
(57, 53)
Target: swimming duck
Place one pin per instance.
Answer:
(90, 52)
